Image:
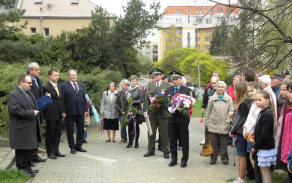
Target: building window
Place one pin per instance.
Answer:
(199, 20)
(148, 47)
(74, 1)
(179, 11)
(207, 39)
(178, 20)
(207, 31)
(221, 10)
(167, 39)
(207, 47)
(198, 12)
(218, 10)
(140, 53)
(189, 18)
(33, 31)
(167, 47)
(177, 39)
(167, 31)
(198, 31)
(176, 11)
(208, 21)
(47, 32)
(148, 54)
(178, 31)
(198, 39)
(189, 11)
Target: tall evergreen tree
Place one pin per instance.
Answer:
(219, 39)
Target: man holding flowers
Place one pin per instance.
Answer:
(157, 114)
(181, 101)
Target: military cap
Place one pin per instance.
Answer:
(175, 74)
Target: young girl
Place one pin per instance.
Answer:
(249, 125)
(241, 112)
(264, 151)
(286, 140)
(281, 123)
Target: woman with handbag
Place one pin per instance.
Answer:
(109, 112)
(218, 122)
(137, 98)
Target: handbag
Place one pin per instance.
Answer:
(208, 149)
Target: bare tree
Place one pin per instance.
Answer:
(272, 29)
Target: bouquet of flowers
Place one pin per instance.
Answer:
(156, 103)
(181, 103)
(202, 120)
(130, 113)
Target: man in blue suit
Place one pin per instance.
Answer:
(74, 107)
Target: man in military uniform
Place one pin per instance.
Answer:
(160, 119)
(179, 123)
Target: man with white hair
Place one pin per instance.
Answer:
(265, 82)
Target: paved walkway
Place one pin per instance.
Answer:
(113, 162)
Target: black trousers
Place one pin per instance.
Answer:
(53, 135)
(249, 168)
(179, 131)
(131, 134)
(79, 121)
(23, 159)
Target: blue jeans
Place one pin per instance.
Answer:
(123, 129)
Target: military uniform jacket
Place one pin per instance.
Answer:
(177, 116)
(151, 91)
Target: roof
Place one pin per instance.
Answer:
(57, 8)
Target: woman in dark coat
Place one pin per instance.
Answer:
(137, 98)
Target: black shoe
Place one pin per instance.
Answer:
(183, 164)
(58, 154)
(129, 145)
(73, 150)
(30, 174)
(34, 171)
(108, 140)
(157, 141)
(84, 141)
(52, 156)
(80, 149)
(136, 145)
(212, 162)
(149, 154)
(225, 163)
(172, 163)
(37, 159)
(114, 141)
(166, 155)
(32, 164)
(159, 148)
(249, 178)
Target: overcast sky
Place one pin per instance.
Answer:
(115, 6)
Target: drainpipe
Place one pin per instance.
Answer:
(41, 18)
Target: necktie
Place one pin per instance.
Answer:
(75, 88)
(157, 84)
(36, 83)
(29, 96)
(56, 88)
(111, 97)
(175, 90)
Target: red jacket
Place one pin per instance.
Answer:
(231, 93)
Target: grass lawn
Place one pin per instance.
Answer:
(13, 176)
(276, 178)
(197, 109)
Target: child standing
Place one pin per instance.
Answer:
(248, 128)
(264, 151)
(241, 112)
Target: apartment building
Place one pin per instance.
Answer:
(51, 17)
(189, 20)
(149, 50)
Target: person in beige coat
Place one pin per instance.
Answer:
(218, 122)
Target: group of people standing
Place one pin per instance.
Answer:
(68, 101)
(257, 116)
(114, 105)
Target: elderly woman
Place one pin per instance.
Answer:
(137, 98)
(109, 112)
(218, 122)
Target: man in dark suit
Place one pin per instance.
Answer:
(23, 115)
(74, 107)
(53, 116)
(179, 123)
(33, 69)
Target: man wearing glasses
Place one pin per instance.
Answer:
(23, 119)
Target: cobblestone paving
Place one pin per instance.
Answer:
(113, 162)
